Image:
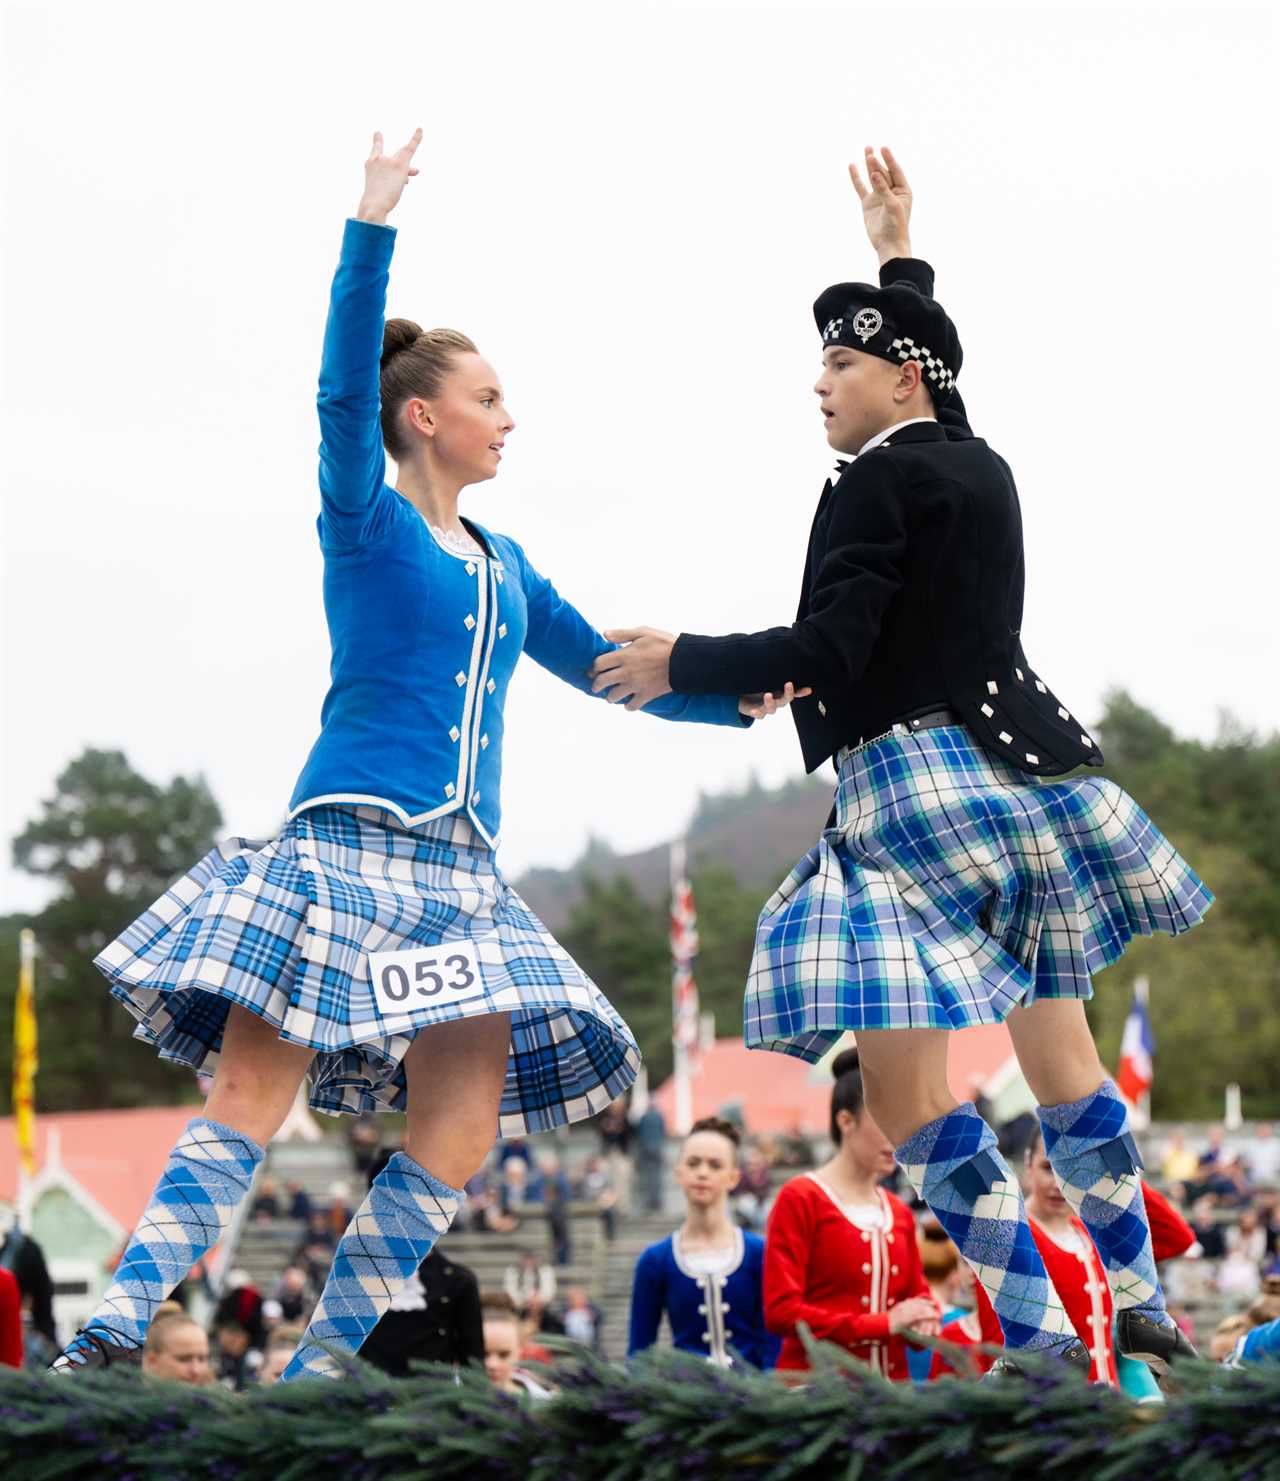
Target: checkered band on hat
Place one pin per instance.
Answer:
(832, 331)
(907, 349)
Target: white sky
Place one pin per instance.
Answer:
(631, 210)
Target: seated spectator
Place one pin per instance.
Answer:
(267, 1204)
(280, 1346)
(548, 1175)
(514, 1179)
(1238, 1276)
(1179, 1164)
(1248, 1237)
(237, 1360)
(1213, 1153)
(793, 1147)
(364, 1136)
(582, 1319)
(299, 1202)
(340, 1210)
(177, 1350)
(292, 1293)
(1208, 1231)
(502, 1353)
(532, 1279)
(1262, 1153)
(241, 1303)
(315, 1253)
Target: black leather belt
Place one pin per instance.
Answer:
(930, 721)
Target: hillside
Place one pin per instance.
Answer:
(757, 835)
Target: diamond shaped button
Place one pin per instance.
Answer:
(454, 733)
(502, 629)
(459, 678)
(490, 686)
(449, 789)
(468, 622)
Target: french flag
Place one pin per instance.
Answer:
(1137, 1047)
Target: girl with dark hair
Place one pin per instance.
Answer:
(840, 1250)
(374, 945)
(705, 1278)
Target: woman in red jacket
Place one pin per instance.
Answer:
(841, 1253)
(10, 1321)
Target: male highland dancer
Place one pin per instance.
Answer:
(956, 884)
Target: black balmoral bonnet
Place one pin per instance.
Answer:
(895, 323)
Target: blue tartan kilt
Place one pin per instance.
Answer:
(286, 928)
(952, 888)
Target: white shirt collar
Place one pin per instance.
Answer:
(889, 431)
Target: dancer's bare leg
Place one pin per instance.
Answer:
(1055, 1049)
(257, 1076)
(455, 1073)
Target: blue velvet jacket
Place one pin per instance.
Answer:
(424, 641)
(720, 1316)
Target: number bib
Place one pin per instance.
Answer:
(406, 981)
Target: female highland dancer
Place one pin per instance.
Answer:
(840, 1252)
(956, 884)
(706, 1276)
(373, 945)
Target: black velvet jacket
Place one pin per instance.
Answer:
(438, 1323)
(911, 601)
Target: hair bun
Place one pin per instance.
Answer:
(397, 335)
(844, 1062)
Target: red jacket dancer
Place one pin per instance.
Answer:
(10, 1321)
(840, 1252)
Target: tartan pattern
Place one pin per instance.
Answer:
(208, 1173)
(405, 1212)
(952, 888)
(1107, 1200)
(990, 1229)
(285, 928)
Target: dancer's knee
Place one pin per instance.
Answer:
(455, 1149)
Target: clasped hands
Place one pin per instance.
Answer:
(640, 672)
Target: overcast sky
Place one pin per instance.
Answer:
(630, 209)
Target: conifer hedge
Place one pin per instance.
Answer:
(663, 1418)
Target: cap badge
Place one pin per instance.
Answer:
(868, 323)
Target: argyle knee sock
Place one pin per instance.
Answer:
(953, 1164)
(1093, 1155)
(405, 1212)
(208, 1173)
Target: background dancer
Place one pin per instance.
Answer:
(841, 1252)
(706, 1277)
(956, 885)
(374, 945)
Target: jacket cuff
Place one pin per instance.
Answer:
(366, 244)
(913, 270)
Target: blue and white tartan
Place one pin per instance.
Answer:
(952, 888)
(286, 927)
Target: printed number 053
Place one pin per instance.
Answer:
(396, 984)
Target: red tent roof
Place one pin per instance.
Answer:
(775, 1090)
(116, 1156)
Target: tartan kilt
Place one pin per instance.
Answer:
(286, 928)
(952, 888)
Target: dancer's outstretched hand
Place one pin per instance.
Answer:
(385, 176)
(637, 673)
(886, 204)
(761, 706)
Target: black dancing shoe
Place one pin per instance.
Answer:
(1076, 1358)
(1159, 1347)
(88, 1350)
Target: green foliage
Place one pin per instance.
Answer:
(666, 1417)
(111, 841)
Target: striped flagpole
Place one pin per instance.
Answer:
(24, 1071)
(684, 990)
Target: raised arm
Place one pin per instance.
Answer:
(886, 201)
(352, 462)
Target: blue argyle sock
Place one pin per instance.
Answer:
(405, 1212)
(1093, 1155)
(953, 1164)
(208, 1173)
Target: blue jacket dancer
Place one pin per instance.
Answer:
(374, 946)
(716, 1310)
(958, 881)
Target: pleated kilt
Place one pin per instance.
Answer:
(952, 888)
(286, 928)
